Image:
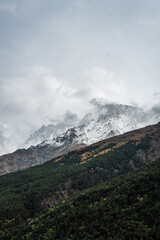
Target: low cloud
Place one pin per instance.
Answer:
(42, 98)
(27, 103)
(57, 55)
(156, 109)
(101, 105)
(70, 118)
(37, 95)
(105, 84)
(156, 95)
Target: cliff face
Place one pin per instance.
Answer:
(25, 158)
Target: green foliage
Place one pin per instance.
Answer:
(127, 207)
(23, 192)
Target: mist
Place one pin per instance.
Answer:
(57, 56)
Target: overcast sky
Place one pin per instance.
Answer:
(56, 55)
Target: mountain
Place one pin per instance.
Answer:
(29, 198)
(124, 208)
(105, 121)
(35, 155)
(44, 133)
(50, 131)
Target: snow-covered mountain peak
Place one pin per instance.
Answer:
(51, 131)
(86, 119)
(104, 121)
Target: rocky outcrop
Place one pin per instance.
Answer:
(25, 158)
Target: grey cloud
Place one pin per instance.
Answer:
(55, 55)
(67, 119)
(156, 95)
(2, 139)
(156, 109)
(103, 105)
(70, 118)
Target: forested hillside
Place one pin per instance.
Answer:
(26, 194)
(127, 207)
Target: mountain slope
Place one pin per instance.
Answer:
(26, 193)
(107, 121)
(35, 155)
(124, 208)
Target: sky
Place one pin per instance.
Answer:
(57, 55)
